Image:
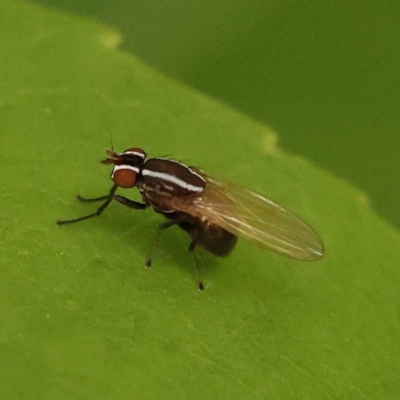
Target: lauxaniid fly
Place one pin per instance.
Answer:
(212, 212)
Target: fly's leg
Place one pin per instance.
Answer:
(192, 246)
(123, 200)
(130, 203)
(163, 227)
(85, 200)
(109, 198)
(95, 214)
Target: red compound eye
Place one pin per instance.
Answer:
(125, 175)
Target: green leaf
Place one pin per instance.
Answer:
(80, 315)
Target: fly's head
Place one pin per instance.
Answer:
(127, 166)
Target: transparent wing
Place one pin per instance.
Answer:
(247, 214)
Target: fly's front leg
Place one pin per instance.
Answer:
(85, 200)
(111, 196)
(130, 203)
(99, 211)
(123, 200)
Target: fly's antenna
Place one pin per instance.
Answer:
(111, 140)
(111, 154)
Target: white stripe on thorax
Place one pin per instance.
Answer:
(183, 165)
(172, 179)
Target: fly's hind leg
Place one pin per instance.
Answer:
(192, 246)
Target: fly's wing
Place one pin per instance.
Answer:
(247, 214)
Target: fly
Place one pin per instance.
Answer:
(212, 212)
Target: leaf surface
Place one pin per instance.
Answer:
(82, 318)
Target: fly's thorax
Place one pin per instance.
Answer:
(169, 178)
